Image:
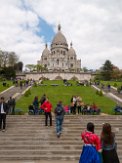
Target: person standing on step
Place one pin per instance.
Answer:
(59, 115)
(11, 105)
(43, 98)
(47, 107)
(109, 153)
(36, 105)
(3, 112)
(91, 146)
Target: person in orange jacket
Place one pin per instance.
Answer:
(47, 107)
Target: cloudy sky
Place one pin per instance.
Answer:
(94, 27)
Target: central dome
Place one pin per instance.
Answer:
(59, 38)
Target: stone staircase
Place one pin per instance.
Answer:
(27, 139)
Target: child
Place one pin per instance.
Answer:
(91, 146)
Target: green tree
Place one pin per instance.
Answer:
(12, 59)
(18, 66)
(39, 68)
(107, 70)
(31, 67)
(8, 72)
(85, 69)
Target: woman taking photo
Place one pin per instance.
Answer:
(109, 153)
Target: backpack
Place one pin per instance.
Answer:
(59, 110)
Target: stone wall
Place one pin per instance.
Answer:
(59, 75)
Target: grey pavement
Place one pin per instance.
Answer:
(116, 96)
(13, 92)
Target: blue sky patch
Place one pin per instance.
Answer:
(45, 30)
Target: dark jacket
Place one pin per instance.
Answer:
(59, 111)
(5, 107)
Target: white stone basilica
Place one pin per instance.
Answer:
(60, 57)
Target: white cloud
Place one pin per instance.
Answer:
(94, 27)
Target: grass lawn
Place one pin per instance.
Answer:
(64, 93)
(112, 83)
(2, 88)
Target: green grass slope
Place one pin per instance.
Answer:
(64, 93)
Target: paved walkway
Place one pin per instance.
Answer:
(13, 92)
(113, 94)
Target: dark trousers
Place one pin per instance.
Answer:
(48, 114)
(79, 109)
(2, 121)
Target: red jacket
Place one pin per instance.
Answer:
(46, 106)
(91, 138)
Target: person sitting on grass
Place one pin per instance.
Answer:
(95, 109)
(30, 110)
(118, 109)
(67, 109)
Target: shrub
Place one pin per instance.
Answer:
(97, 92)
(118, 89)
(27, 93)
(115, 85)
(35, 84)
(100, 93)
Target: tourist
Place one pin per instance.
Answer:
(47, 107)
(21, 84)
(95, 109)
(84, 109)
(73, 104)
(67, 109)
(43, 98)
(79, 100)
(36, 105)
(109, 87)
(91, 146)
(59, 114)
(3, 112)
(11, 105)
(31, 110)
(109, 153)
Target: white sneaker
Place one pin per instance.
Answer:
(3, 130)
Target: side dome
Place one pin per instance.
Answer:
(45, 51)
(71, 51)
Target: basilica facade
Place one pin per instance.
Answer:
(60, 57)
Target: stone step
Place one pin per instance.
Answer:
(26, 137)
(42, 157)
(73, 118)
(41, 136)
(38, 157)
(46, 146)
(40, 152)
(41, 142)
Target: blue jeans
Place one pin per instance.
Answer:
(59, 122)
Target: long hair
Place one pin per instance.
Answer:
(107, 136)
